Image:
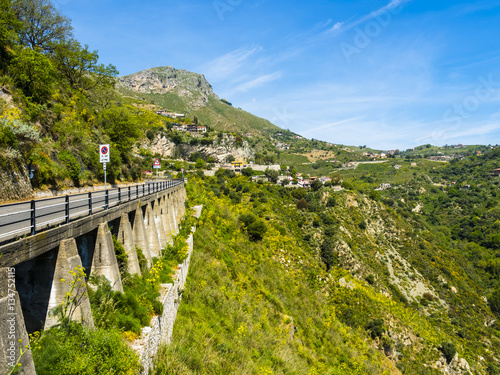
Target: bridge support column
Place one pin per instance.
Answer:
(152, 232)
(162, 235)
(165, 219)
(12, 328)
(126, 238)
(140, 236)
(67, 260)
(104, 261)
(173, 214)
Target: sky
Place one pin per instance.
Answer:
(383, 73)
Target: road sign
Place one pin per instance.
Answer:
(104, 153)
(157, 163)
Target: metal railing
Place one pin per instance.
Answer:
(31, 217)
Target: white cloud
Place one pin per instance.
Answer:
(256, 82)
(224, 66)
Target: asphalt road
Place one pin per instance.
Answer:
(15, 219)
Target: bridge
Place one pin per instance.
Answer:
(42, 241)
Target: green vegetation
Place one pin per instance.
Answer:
(71, 348)
(363, 262)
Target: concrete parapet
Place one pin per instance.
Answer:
(126, 238)
(104, 261)
(13, 335)
(67, 261)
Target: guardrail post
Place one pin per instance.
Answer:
(119, 195)
(143, 189)
(136, 191)
(90, 203)
(66, 200)
(129, 194)
(106, 199)
(33, 218)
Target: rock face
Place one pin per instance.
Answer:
(164, 80)
(221, 148)
(16, 184)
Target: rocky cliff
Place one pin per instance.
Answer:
(166, 80)
(221, 148)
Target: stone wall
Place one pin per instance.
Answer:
(160, 331)
(15, 184)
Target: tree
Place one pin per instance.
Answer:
(8, 27)
(80, 67)
(302, 204)
(42, 24)
(247, 172)
(121, 128)
(336, 178)
(271, 175)
(200, 164)
(316, 185)
(256, 230)
(33, 73)
(328, 254)
(494, 302)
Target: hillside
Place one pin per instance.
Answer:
(325, 282)
(190, 93)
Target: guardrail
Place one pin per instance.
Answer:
(28, 218)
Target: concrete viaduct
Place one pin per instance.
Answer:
(31, 268)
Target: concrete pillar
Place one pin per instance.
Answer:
(67, 260)
(140, 236)
(162, 235)
(173, 214)
(152, 232)
(12, 328)
(104, 261)
(165, 219)
(126, 238)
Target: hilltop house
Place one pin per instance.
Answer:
(172, 115)
(496, 172)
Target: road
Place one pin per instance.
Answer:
(15, 219)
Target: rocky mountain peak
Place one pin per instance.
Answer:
(163, 80)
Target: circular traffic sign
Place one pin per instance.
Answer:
(104, 150)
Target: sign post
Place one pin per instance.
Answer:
(157, 165)
(104, 158)
(182, 170)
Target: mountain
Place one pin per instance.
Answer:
(190, 93)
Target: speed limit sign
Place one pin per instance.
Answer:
(104, 153)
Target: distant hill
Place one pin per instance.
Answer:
(190, 93)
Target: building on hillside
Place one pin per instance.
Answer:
(193, 128)
(202, 129)
(478, 153)
(496, 172)
(179, 127)
(172, 115)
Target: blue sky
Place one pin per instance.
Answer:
(382, 73)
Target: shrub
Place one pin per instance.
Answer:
(256, 230)
(302, 204)
(332, 201)
(84, 351)
(448, 349)
(246, 219)
(376, 328)
(328, 254)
